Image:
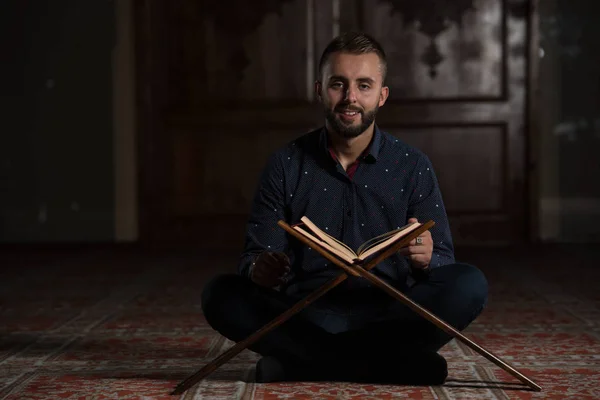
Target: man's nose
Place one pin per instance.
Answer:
(351, 94)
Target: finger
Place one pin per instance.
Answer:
(419, 259)
(425, 241)
(270, 273)
(270, 257)
(412, 220)
(425, 238)
(416, 257)
(271, 268)
(282, 257)
(276, 267)
(283, 261)
(414, 249)
(278, 257)
(405, 251)
(273, 259)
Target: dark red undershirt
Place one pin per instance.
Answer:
(352, 167)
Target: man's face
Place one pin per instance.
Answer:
(351, 92)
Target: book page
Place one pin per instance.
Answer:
(385, 243)
(333, 242)
(348, 258)
(378, 239)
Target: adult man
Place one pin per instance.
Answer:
(356, 182)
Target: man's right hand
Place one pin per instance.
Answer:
(270, 268)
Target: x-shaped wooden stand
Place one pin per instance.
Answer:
(359, 271)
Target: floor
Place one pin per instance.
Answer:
(104, 323)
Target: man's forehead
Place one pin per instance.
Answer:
(354, 66)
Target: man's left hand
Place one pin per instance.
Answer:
(419, 254)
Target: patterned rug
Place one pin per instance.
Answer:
(105, 325)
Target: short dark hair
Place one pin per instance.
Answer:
(354, 43)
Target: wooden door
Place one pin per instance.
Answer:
(223, 84)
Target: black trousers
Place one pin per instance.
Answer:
(236, 307)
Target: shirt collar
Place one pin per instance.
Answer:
(371, 153)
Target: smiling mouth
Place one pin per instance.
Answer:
(349, 113)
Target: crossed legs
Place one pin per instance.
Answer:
(456, 293)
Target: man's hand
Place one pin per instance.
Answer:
(419, 254)
(270, 268)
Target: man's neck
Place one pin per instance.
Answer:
(348, 150)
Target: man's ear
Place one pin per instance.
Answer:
(318, 89)
(385, 92)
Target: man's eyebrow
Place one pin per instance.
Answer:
(344, 79)
(337, 78)
(366, 79)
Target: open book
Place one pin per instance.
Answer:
(310, 230)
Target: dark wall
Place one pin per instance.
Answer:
(570, 114)
(56, 163)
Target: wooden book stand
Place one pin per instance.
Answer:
(359, 271)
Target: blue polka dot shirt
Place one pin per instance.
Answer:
(393, 182)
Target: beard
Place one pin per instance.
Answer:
(349, 131)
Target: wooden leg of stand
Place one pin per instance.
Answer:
(240, 346)
(443, 325)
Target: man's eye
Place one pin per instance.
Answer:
(364, 87)
(336, 84)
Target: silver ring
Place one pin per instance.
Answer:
(419, 240)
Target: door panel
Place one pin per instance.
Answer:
(235, 52)
(471, 182)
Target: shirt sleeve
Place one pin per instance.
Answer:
(426, 204)
(268, 207)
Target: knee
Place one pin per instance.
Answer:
(472, 284)
(218, 292)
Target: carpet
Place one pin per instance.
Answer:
(100, 325)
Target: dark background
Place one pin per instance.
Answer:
(140, 122)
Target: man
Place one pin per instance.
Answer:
(356, 182)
